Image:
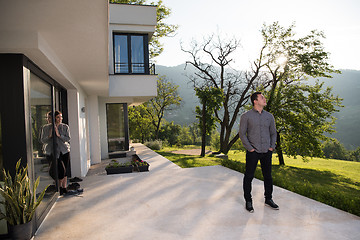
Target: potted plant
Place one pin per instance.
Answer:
(140, 165)
(114, 167)
(20, 201)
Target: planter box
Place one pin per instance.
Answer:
(118, 170)
(143, 168)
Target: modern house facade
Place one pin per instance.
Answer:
(89, 60)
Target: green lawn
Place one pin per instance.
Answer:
(188, 161)
(333, 182)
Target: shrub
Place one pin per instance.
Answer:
(154, 145)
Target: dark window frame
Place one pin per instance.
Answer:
(129, 57)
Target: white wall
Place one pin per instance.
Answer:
(133, 86)
(77, 122)
(94, 129)
(103, 128)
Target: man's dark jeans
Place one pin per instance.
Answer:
(252, 159)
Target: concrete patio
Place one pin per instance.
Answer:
(197, 203)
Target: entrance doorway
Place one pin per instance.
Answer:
(117, 129)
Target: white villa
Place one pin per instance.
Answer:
(87, 59)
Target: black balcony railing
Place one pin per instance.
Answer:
(134, 68)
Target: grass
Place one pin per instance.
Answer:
(188, 161)
(333, 182)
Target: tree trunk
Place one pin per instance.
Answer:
(279, 149)
(203, 135)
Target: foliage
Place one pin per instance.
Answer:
(140, 125)
(19, 196)
(355, 155)
(116, 164)
(215, 140)
(136, 161)
(162, 29)
(194, 133)
(167, 99)
(303, 112)
(210, 99)
(186, 137)
(154, 145)
(170, 132)
(146, 119)
(335, 150)
(302, 57)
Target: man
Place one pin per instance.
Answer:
(258, 135)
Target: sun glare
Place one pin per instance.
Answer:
(281, 60)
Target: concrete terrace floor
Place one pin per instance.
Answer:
(196, 203)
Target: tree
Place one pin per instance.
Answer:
(170, 132)
(303, 112)
(212, 61)
(162, 29)
(335, 150)
(355, 155)
(302, 58)
(167, 99)
(140, 125)
(210, 99)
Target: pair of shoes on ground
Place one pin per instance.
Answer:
(75, 179)
(268, 202)
(74, 192)
(72, 189)
(73, 186)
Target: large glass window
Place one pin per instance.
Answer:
(116, 131)
(40, 99)
(131, 54)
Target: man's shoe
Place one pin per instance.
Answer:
(270, 203)
(249, 207)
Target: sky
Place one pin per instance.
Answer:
(243, 19)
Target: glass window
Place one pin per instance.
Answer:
(137, 54)
(115, 127)
(121, 54)
(40, 99)
(130, 53)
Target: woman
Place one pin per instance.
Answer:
(62, 151)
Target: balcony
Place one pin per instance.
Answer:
(134, 88)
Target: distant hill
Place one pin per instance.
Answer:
(346, 85)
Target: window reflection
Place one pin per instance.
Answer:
(115, 127)
(121, 54)
(137, 54)
(40, 99)
(130, 54)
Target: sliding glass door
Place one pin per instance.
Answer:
(41, 103)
